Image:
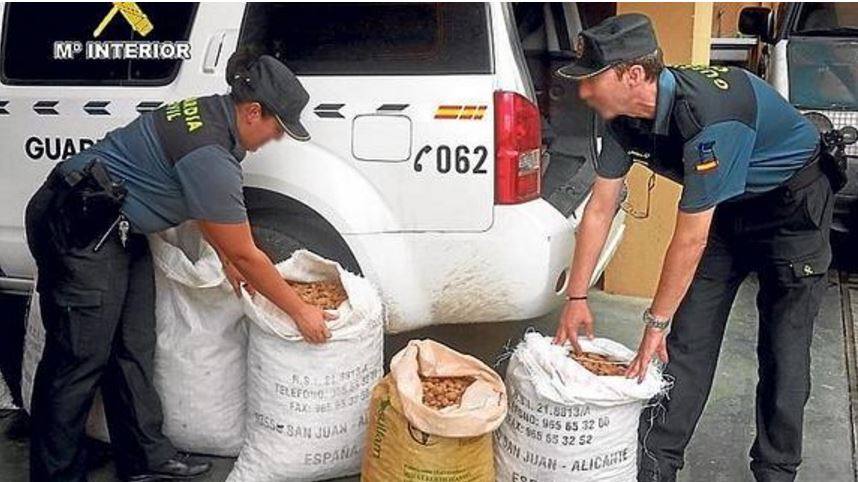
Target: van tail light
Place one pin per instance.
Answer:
(518, 139)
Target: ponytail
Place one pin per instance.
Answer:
(238, 74)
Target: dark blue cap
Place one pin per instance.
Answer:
(280, 90)
(617, 39)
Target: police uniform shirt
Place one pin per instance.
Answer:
(721, 132)
(178, 162)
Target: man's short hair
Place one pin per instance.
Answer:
(652, 64)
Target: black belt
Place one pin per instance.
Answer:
(805, 176)
(58, 179)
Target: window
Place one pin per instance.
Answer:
(371, 39)
(30, 30)
(823, 73)
(828, 18)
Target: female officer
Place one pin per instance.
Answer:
(85, 228)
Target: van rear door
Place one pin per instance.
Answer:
(547, 31)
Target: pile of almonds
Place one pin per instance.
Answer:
(327, 295)
(599, 364)
(443, 392)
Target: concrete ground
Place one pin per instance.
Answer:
(719, 449)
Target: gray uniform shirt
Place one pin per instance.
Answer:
(179, 162)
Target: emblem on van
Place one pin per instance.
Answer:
(461, 112)
(132, 13)
(122, 49)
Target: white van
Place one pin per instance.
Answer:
(427, 170)
(809, 52)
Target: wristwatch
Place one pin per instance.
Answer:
(653, 321)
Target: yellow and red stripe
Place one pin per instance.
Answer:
(461, 112)
(706, 166)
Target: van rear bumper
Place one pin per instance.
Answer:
(514, 270)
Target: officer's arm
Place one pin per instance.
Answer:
(211, 181)
(224, 260)
(680, 262)
(611, 167)
(592, 233)
(235, 278)
(715, 162)
(235, 241)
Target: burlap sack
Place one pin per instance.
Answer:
(408, 441)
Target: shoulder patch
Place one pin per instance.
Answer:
(707, 161)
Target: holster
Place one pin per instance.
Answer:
(833, 163)
(87, 203)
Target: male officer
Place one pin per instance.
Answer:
(754, 198)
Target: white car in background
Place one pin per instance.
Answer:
(428, 170)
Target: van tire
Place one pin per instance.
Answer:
(282, 225)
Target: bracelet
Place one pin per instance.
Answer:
(652, 321)
(576, 298)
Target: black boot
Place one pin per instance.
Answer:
(180, 467)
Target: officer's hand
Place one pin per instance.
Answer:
(236, 279)
(575, 316)
(653, 343)
(312, 323)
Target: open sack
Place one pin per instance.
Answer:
(202, 340)
(408, 440)
(200, 353)
(307, 404)
(566, 423)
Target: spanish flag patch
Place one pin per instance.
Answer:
(706, 159)
(706, 166)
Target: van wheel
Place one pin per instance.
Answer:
(279, 237)
(282, 228)
(277, 244)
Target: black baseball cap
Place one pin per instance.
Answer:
(280, 90)
(615, 40)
